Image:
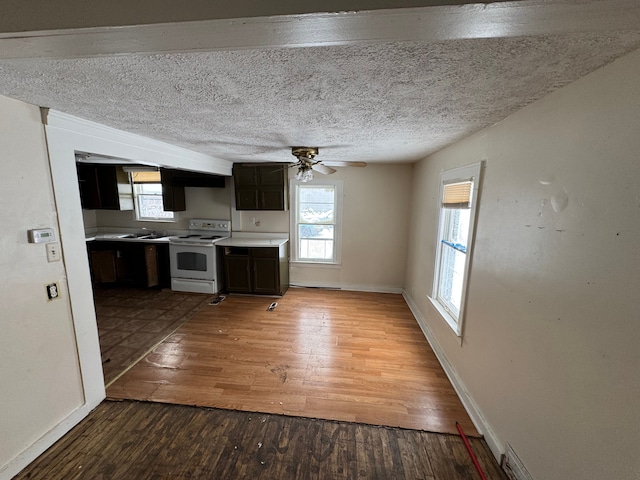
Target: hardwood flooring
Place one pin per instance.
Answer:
(336, 355)
(131, 321)
(147, 441)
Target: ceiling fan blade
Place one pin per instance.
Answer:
(319, 167)
(338, 163)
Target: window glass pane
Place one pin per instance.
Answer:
(451, 278)
(153, 188)
(316, 222)
(315, 231)
(316, 213)
(316, 194)
(457, 225)
(316, 205)
(316, 249)
(150, 206)
(149, 202)
(452, 261)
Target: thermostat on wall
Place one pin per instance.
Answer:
(41, 235)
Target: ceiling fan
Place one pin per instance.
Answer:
(307, 163)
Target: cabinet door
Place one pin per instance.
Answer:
(88, 183)
(261, 187)
(246, 198)
(151, 265)
(173, 199)
(114, 187)
(104, 187)
(103, 266)
(237, 273)
(245, 176)
(272, 175)
(272, 199)
(266, 275)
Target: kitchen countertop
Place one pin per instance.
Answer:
(251, 242)
(121, 237)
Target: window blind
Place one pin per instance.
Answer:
(457, 195)
(145, 177)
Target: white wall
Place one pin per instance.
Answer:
(50, 355)
(200, 202)
(550, 354)
(375, 223)
(39, 369)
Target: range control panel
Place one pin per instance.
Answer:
(204, 224)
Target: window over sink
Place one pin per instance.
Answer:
(147, 194)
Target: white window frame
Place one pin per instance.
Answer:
(136, 204)
(337, 240)
(470, 172)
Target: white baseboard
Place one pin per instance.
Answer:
(350, 287)
(496, 446)
(36, 449)
(513, 466)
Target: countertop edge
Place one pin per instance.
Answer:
(251, 242)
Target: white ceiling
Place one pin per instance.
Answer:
(394, 99)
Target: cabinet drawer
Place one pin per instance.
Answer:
(264, 252)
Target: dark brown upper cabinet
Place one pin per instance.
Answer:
(174, 181)
(104, 187)
(261, 187)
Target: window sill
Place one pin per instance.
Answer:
(446, 316)
(156, 220)
(299, 263)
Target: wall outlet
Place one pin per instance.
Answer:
(53, 252)
(513, 466)
(53, 291)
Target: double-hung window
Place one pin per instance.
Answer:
(457, 207)
(147, 194)
(315, 228)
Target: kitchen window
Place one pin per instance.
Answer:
(147, 194)
(315, 228)
(457, 213)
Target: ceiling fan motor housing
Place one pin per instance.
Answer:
(304, 152)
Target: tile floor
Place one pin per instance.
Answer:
(131, 321)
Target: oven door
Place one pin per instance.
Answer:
(192, 261)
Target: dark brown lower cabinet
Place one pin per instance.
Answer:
(237, 268)
(257, 270)
(135, 264)
(103, 266)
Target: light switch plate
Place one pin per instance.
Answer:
(53, 252)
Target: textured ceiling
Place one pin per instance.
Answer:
(393, 102)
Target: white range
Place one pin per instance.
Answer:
(193, 260)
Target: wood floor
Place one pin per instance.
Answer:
(336, 355)
(147, 441)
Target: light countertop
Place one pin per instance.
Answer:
(251, 242)
(127, 237)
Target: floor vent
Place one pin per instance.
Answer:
(513, 467)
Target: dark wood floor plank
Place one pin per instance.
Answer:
(152, 441)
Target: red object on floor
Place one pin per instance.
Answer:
(470, 450)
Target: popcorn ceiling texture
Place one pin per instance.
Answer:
(377, 103)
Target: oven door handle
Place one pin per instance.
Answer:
(192, 244)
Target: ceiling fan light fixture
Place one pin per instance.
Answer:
(305, 173)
